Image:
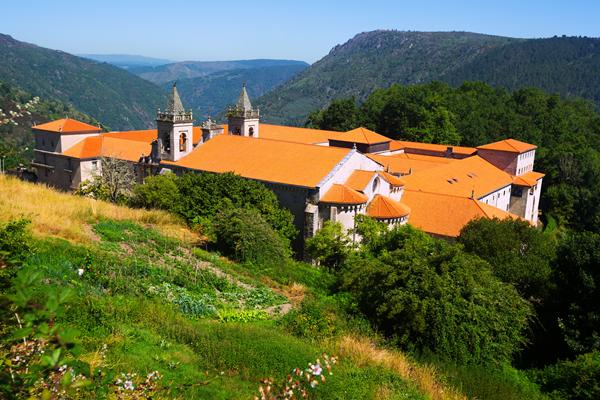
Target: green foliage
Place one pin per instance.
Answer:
(242, 316)
(109, 94)
(329, 246)
(189, 304)
(246, 236)
(15, 244)
(341, 115)
(158, 191)
(205, 195)
(573, 380)
(315, 320)
(518, 253)
(373, 60)
(432, 297)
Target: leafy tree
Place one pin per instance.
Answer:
(158, 191)
(329, 246)
(245, 235)
(114, 182)
(341, 115)
(517, 253)
(205, 195)
(432, 297)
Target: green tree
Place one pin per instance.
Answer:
(245, 235)
(432, 297)
(329, 246)
(157, 191)
(518, 253)
(341, 115)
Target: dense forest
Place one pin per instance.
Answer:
(371, 60)
(105, 92)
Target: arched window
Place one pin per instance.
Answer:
(182, 142)
(375, 184)
(251, 131)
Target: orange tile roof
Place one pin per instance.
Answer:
(391, 179)
(382, 207)
(148, 135)
(293, 134)
(445, 215)
(67, 125)
(407, 163)
(106, 146)
(342, 194)
(266, 160)
(509, 145)
(528, 179)
(359, 179)
(466, 177)
(403, 144)
(361, 135)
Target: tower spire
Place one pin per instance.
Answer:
(175, 106)
(243, 102)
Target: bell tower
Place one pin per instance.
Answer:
(243, 120)
(175, 129)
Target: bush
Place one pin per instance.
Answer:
(432, 297)
(329, 246)
(577, 380)
(158, 191)
(15, 247)
(245, 235)
(311, 321)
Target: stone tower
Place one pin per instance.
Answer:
(175, 132)
(243, 120)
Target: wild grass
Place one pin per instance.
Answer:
(364, 353)
(63, 215)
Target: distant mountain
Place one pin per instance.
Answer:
(193, 69)
(377, 59)
(126, 61)
(107, 93)
(211, 94)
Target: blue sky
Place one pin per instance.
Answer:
(300, 29)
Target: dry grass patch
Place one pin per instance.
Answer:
(64, 215)
(362, 352)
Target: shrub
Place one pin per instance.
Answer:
(432, 297)
(15, 247)
(578, 379)
(242, 315)
(313, 321)
(246, 236)
(329, 246)
(158, 191)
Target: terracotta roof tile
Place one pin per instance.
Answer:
(105, 146)
(445, 215)
(359, 179)
(509, 145)
(361, 135)
(293, 134)
(67, 125)
(148, 135)
(528, 179)
(407, 163)
(440, 148)
(466, 177)
(382, 207)
(267, 160)
(391, 179)
(342, 194)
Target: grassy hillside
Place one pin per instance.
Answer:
(192, 69)
(211, 94)
(372, 60)
(212, 328)
(107, 93)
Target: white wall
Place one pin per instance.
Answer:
(69, 140)
(525, 162)
(499, 199)
(343, 170)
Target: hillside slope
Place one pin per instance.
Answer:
(107, 93)
(192, 69)
(210, 327)
(371, 60)
(211, 94)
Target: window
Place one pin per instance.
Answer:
(375, 184)
(182, 142)
(251, 131)
(94, 165)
